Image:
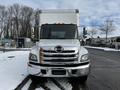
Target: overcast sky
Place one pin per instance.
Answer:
(92, 12)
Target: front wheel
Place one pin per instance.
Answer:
(38, 78)
(34, 78)
(83, 78)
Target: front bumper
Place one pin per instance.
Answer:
(75, 70)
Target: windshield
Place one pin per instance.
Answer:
(58, 31)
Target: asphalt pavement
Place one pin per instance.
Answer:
(105, 70)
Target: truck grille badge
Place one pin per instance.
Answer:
(58, 49)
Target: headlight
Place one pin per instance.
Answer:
(32, 57)
(84, 57)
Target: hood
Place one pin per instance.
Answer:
(54, 42)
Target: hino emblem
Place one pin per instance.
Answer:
(59, 49)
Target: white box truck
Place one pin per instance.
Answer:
(59, 52)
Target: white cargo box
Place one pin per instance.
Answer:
(59, 16)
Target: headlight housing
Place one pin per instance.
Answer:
(84, 58)
(32, 57)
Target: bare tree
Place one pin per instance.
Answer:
(107, 28)
(26, 21)
(16, 21)
(16, 17)
(36, 26)
(92, 32)
(10, 22)
(3, 19)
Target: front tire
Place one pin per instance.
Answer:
(83, 78)
(37, 79)
(34, 78)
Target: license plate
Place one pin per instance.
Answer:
(58, 72)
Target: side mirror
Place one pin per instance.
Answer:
(79, 33)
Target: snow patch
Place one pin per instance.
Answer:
(103, 48)
(13, 70)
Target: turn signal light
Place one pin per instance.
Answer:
(41, 55)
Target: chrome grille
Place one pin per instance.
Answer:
(66, 56)
(59, 55)
(65, 51)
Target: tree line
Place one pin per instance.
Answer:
(17, 21)
(106, 28)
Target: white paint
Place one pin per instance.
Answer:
(59, 16)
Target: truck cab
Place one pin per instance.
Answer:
(59, 52)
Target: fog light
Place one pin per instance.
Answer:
(43, 71)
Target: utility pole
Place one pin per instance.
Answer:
(107, 21)
(108, 26)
